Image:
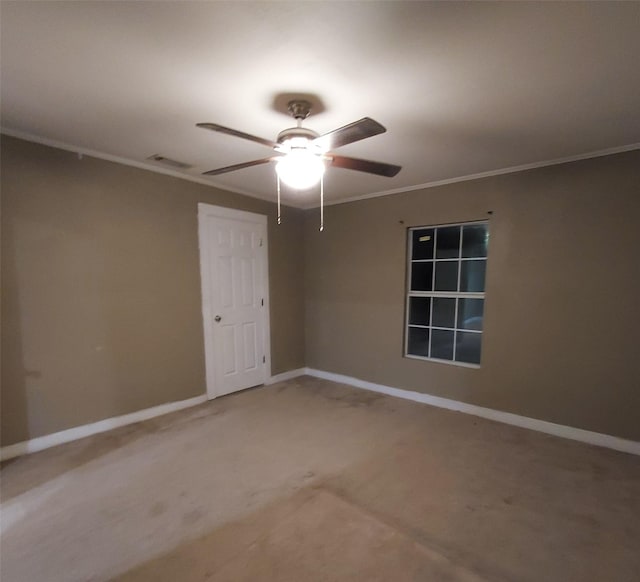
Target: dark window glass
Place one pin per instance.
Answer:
(445, 321)
(470, 313)
(418, 341)
(472, 276)
(468, 347)
(446, 275)
(474, 240)
(421, 276)
(422, 243)
(448, 243)
(442, 344)
(419, 310)
(444, 312)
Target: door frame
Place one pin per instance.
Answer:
(206, 282)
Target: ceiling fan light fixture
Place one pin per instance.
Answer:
(300, 169)
(302, 153)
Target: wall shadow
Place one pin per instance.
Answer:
(13, 390)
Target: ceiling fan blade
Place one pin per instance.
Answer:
(237, 167)
(365, 127)
(241, 134)
(378, 168)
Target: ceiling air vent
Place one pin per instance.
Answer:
(169, 162)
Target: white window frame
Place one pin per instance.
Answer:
(444, 294)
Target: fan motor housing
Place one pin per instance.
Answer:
(292, 132)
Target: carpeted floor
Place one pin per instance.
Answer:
(310, 480)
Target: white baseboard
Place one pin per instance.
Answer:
(289, 375)
(78, 432)
(568, 432)
(577, 434)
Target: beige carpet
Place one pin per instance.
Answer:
(309, 480)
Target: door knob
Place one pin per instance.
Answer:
(217, 318)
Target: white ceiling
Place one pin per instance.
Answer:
(462, 88)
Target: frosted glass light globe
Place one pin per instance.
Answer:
(300, 169)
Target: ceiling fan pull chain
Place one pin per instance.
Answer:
(321, 203)
(278, 182)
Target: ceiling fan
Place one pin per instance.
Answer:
(302, 154)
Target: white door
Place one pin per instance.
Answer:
(233, 264)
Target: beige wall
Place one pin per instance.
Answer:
(101, 308)
(562, 331)
(101, 311)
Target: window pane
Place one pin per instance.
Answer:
(419, 310)
(418, 344)
(468, 347)
(448, 245)
(474, 240)
(444, 312)
(470, 313)
(472, 277)
(446, 275)
(447, 264)
(442, 344)
(422, 246)
(421, 276)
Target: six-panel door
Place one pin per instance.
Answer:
(234, 259)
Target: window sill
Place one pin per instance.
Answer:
(439, 361)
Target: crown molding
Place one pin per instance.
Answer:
(206, 182)
(488, 174)
(129, 162)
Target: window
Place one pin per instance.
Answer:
(445, 299)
